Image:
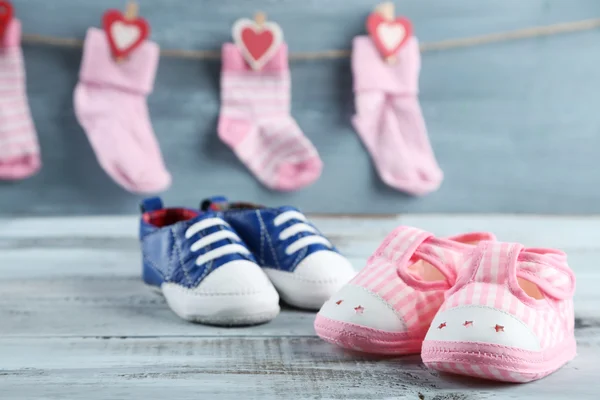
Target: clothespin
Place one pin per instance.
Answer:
(125, 32)
(131, 13)
(388, 12)
(131, 10)
(258, 40)
(260, 18)
(388, 32)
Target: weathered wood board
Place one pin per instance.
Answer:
(252, 368)
(76, 322)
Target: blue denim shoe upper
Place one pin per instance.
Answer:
(184, 246)
(280, 238)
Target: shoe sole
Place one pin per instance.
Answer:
(495, 362)
(225, 310)
(307, 295)
(368, 340)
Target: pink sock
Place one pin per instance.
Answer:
(255, 122)
(389, 120)
(19, 148)
(110, 106)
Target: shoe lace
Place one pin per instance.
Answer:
(301, 225)
(206, 240)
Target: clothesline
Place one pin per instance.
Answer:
(540, 31)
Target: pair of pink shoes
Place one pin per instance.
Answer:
(469, 304)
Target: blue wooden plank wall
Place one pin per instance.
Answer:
(515, 125)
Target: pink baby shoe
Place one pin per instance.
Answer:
(509, 316)
(388, 307)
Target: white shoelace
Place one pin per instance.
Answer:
(296, 228)
(213, 254)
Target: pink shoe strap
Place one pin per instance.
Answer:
(442, 253)
(549, 270)
(416, 282)
(400, 245)
(407, 245)
(502, 263)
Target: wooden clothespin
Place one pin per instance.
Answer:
(131, 13)
(388, 32)
(260, 18)
(258, 39)
(388, 12)
(125, 32)
(131, 10)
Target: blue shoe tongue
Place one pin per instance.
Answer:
(221, 203)
(151, 204)
(202, 215)
(215, 203)
(283, 209)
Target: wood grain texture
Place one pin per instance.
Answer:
(252, 368)
(76, 322)
(513, 124)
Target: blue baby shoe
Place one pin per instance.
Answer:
(303, 265)
(202, 267)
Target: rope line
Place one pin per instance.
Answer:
(526, 33)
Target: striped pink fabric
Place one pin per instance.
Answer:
(19, 148)
(393, 275)
(381, 277)
(490, 278)
(381, 274)
(389, 119)
(255, 122)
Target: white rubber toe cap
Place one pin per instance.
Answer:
(357, 305)
(237, 293)
(314, 280)
(482, 324)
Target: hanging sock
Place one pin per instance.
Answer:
(255, 122)
(19, 147)
(389, 119)
(110, 104)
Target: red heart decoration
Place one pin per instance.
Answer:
(124, 35)
(388, 36)
(258, 43)
(6, 15)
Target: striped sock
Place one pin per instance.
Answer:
(19, 148)
(389, 119)
(255, 122)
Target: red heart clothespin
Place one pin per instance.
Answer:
(125, 33)
(387, 32)
(258, 40)
(6, 15)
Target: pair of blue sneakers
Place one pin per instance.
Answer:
(229, 263)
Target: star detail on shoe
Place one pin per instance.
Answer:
(359, 309)
(339, 302)
(442, 325)
(499, 328)
(468, 323)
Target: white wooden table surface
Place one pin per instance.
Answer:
(76, 322)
